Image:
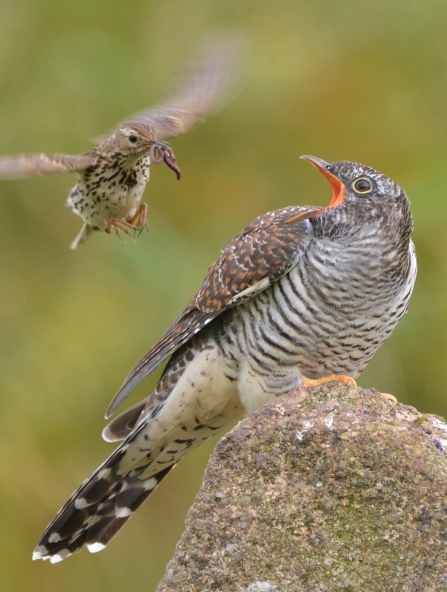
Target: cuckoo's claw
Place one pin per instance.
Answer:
(308, 382)
(389, 397)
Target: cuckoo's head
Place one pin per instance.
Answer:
(356, 183)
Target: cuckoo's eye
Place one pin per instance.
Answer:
(133, 138)
(362, 185)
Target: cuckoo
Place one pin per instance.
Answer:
(302, 295)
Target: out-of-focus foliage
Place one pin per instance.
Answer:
(341, 80)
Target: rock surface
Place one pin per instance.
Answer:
(335, 488)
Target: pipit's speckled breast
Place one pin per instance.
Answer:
(300, 295)
(112, 189)
(113, 176)
(109, 191)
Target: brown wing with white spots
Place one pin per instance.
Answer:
(204, 86)
(263, 252)
(43, 164)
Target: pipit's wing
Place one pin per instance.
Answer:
(43, 164)
(205, 87)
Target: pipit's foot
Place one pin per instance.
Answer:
(141, 216)
(389, 397)
(119, 224)
(308, 382)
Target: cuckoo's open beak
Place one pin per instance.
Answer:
(338, 197)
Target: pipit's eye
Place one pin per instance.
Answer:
(133, 138)
(362, 185)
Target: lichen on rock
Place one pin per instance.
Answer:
(333, 488)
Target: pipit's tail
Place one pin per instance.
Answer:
(83, 235)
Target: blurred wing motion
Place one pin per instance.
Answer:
(205, 85)
(262, 253)
(203, 90)
(43, 164)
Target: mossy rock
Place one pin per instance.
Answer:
(334, 488)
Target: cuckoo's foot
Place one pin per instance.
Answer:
(389, 397)
(308, 382)
(141, 216)
(119, 225)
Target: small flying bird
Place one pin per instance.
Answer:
(301, 296)
(113, 176)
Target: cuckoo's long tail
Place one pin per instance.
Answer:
(97, 510)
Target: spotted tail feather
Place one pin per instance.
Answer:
(97, 510)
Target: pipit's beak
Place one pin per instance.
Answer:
(156, 146)
(338, 187)
(159, 145)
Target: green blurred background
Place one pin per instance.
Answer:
(341, 80)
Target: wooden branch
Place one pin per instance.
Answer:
(334, 488)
